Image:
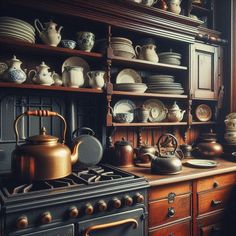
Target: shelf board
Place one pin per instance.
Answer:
(200, 9)
(134, 94)
(204, 123)
(145, 64)
(148, 124)
(205, 99)
(45, 49)
(50, 88)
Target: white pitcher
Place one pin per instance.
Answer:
(147, 52)
(73, 76)
(96, 79)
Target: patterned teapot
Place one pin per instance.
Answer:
(49, 34)
(175, 114)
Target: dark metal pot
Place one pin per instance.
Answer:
(142, 151)
(42, 157)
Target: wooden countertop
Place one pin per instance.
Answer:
(188, 173)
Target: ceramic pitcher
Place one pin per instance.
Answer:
(73, 76)
(96, 79)
(147, 52)
(49, 34)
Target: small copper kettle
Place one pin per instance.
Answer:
(42, 157)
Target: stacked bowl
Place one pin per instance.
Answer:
(122, 47)
(172, 58)
(17, 29)
(163, 84)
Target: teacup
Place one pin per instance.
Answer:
(85, 40)
(96, 79)
(125, 117)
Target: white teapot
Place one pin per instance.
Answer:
(175, 114)
(42, 75)
(49, 34)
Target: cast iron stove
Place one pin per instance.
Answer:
(103, 196)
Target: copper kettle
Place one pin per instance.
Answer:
(42, 157)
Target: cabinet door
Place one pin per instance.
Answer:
(204, 71)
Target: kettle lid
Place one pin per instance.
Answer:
(122, 142)
(42, 138)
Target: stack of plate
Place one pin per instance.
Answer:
(163, 84)
(129, 80)
(17, 29)
(122, 47)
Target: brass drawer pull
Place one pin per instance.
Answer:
(171, 212)
(216, 184)
(216, 203)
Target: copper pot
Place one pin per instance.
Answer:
(42, 157)
(142, 151)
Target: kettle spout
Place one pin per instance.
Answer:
(74, 153)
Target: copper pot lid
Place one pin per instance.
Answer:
(42, 138)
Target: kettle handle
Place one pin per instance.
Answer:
(39, 113)
(168, 135)
(88, 130)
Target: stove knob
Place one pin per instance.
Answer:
(46, 218)
(116, 203)
(88, 209)
(139, 198)
(128, 200)
(22, 222)
(73, 212)
(102, 206)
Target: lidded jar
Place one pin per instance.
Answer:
(208, 147)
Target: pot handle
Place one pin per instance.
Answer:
(39, 113)
(173, 139)
(86, 129)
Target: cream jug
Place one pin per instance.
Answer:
(73, 76)
(49, 34)
(96, 79)
(147, 52)
(41, 75)
(14, 73)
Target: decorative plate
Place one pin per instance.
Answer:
(157, 109)
(77, 61)
(202, 163)
(124, 106)
(128, 76)
(203, 112)
(3, 67)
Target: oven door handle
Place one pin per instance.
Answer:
(108, 225)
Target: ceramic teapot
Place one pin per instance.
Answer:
(42, 75)
(174, 6)
(49, 34)
(14, 73)
(73, 76)
(147, 52)
(175, 114)
(42, 157)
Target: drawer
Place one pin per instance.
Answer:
(214, 200)
(164, 191)
(161, 212)
(180, 229)
(212, 230)
(216, 182)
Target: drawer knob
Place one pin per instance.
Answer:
(22, 222)
(171, 212)
(216, 203)
(46, 218)
(216, 184)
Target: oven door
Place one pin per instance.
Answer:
(128, 223)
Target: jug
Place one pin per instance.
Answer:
(49, 34)
(42, 75)
(147, 52)
(14, 73)
(96, 79)
(73, 76)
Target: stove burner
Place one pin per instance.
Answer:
(98, 174)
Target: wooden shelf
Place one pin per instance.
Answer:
(204, 123)
(52, 88)
(145, 64)
(159, 95)
(22, 46)
(148, 124)
(200, 9)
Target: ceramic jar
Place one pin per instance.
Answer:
(175, 114)
(85, 40)
(96, 79)
(73, 76)
(142, 114)
(174, 6)
(147, 52)
(49, 34)
(41, 75)
(14, 73)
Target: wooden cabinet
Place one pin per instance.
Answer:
(205, 71)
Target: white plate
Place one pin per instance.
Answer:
(17, 26)
(202, 163)
(162, 91)
(77, 61)
(124, 106)
(15, 36)
(15, 29)
(128, 76)
(157, 109)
